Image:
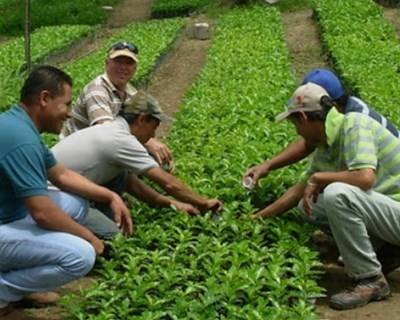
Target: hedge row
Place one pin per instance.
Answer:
(44, 41)
(51, 12)
(173, 8)
(218, 266)
(365, 50)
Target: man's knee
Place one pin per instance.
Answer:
(337, 191)
(79, 261)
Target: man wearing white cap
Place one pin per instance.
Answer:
(101, 99)
(351, 187)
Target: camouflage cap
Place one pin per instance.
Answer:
(143, 102)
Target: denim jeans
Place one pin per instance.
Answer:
(100, 218)
(34, 259)
(360, 222)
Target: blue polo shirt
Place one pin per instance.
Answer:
(24, 161)
(355, 104)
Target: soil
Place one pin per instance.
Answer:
(393, 16)
(177, 72)
(303, 41)
(171, 80)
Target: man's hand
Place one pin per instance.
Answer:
(310, 196)
(161, 153)
(122, 216)
(257, 172)
(97, 244)
(214, 205)
(185, 207)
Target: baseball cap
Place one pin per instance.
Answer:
(143, 102)
(306, 98)
(327, 80)
(124, 49)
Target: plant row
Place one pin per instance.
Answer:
(51, 12)
(173, 8)
(365, 50)
(218, 266)
(44, 42)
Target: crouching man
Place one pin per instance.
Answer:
(351, 187)
(42, 244)
(113, 154)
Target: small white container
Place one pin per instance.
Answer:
(248, 183)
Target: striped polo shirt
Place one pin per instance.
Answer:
(356, 141)
(98, 101)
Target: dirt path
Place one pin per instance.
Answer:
(393, 16)
(177, 72)
(302, 39)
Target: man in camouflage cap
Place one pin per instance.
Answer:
(112, 154)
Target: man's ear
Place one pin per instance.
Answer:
(43, 97)
(303, 117)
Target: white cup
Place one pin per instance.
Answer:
(248, 183)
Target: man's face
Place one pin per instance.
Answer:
(55, 110)
(120, 70)
(147, 129)
(306, 129)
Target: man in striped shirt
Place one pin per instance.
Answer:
(299, 149)
(352, 187)
(102, 98)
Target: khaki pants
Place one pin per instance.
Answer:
(359, 222)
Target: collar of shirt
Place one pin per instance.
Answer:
(333, 123)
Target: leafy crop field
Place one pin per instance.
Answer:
(45, 41)
(365, 50)
(219, 266)
(228, 266)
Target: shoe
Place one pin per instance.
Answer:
(371, 289)
(38, 299)
(389, 257)
(5, 308)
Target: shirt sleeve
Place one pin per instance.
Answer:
(26, 169)
(132, 155)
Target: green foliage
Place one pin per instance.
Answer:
(172, 8)
(364, 49)
(45, 41)
(51, 12)
(215, 266)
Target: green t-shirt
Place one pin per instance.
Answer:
(355, 141)
(24, 161)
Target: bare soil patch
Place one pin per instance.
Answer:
(303, 41)
(128, 11)
(393, 16)
(175, 75)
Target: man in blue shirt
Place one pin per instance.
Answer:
(42, 244)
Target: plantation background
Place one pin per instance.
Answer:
(226, 92)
